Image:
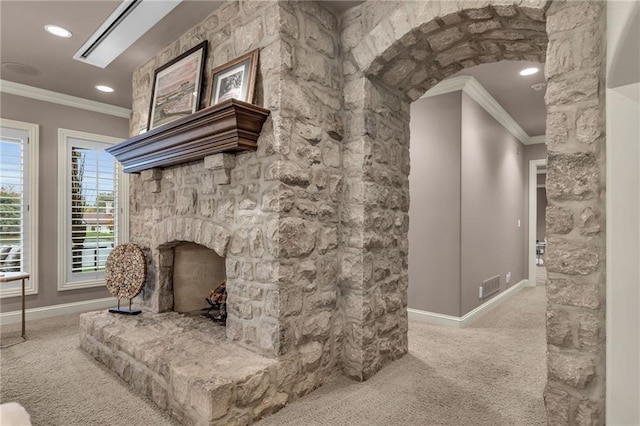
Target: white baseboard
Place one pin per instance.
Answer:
(56, 310)
(461, 322)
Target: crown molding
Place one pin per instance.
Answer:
(533, 140)
(475, 91)
(23, 90)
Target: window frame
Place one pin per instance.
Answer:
(64, 200)
(32, 158)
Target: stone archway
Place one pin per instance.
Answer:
(393, 54)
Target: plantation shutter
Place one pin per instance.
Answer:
(93, 210)
(14, 196)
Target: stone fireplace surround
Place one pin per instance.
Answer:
(313, 225)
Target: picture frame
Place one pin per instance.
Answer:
(235, 79)
(177, 87)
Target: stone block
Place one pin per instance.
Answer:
(590, 330)
(560, 57)
(296, 237)
(334, 126)
(222, 177)
(220, 161)
(155, 186)
(589, 413)
(457, 54)
(572, 16)
(186, 201)
(589, 221)
(558, 220)
(267, 272)
(480, 13)
(571, 369)
(290, 302)
(317, 326)
(444, 39)
(589, 126)
(558, 328)
(211, 400)
(400, 70)
(278, 200)
(253, 388)
(331, 154)
(220, 240)
(482, 27)
(310, 354)
(292, 173)
(571, 257)
(248, 36)
(207, 208)
(270, 404)
(557, 129)
(506, 11)
(308, 131)
(305, 385)
(319, 39)
(573, 176)
(247, 204)
(558, 404)
(151, 174)
(572, 90)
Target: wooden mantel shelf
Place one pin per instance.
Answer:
(229, 126)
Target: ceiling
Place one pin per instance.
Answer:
(24, 41)
(513, 91)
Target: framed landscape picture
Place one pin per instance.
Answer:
(235, 79)
(177, 86)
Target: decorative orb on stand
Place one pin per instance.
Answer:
(125, 274)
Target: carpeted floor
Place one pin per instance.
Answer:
(491, 373)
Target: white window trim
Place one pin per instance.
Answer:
(63, 202)
(33, 132)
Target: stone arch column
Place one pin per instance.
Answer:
(394, 52)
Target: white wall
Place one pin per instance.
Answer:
(623, 215)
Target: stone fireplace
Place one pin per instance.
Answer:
(312, 227)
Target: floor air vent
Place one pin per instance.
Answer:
(489, 287)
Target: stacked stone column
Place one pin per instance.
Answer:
(575, 215)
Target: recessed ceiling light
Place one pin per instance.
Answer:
(529, 71)
(105, 89)
(58, 31)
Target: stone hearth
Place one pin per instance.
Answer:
(185, 366)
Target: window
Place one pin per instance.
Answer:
(93, 209)
(18, 204)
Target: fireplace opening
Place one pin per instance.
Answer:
(199, 278)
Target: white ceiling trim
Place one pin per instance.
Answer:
(23, 90)
(533, 140)
(474, 89)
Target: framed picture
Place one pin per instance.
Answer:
(177, 86)
(235, 79)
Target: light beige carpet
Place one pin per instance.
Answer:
(491, 373)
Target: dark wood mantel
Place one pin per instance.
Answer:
(229, 126)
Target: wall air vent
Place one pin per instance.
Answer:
(130, 20)
(489, 287)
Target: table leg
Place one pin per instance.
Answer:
(23, 308)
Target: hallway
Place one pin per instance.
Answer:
(490, 373)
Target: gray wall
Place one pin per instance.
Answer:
(51, 117)
(469, 188)
(434, 230)
(491, 192)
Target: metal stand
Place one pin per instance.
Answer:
(125, 311)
